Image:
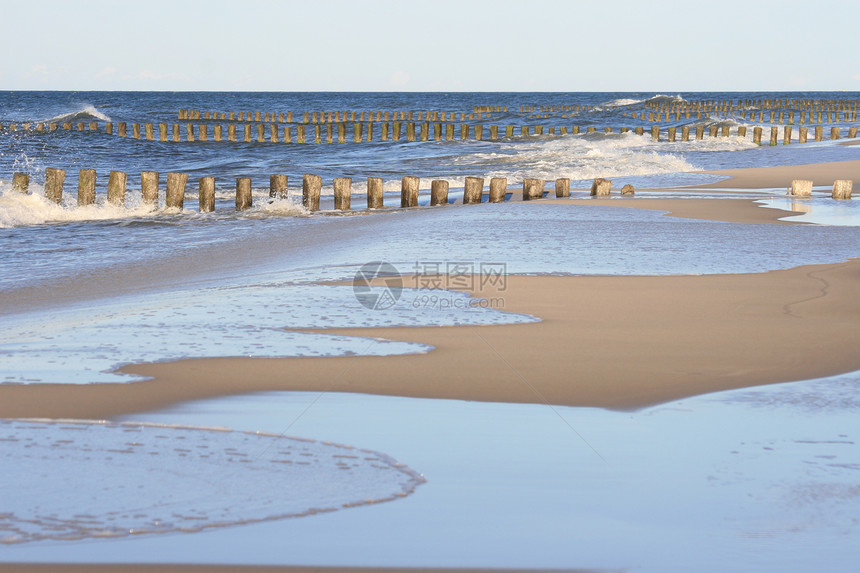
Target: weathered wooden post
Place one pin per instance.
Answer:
(842, 189)
(189, 132)
(374, 193)
(149, 187)
(357, 128)
(757, 135)
(396, 127)
(438, 193)
(852, 132)
(231, 132)
(410, 131)
(149, 133)
(176, 190)
(20, 182)
(724, 131)
(562, 187)
(533, 189)
(311, 188)
(655, 133)
(628, 190)
(803, 133)
(774, 135)
(288, 137)
(685, 133)
(207, 194)
(247, 137)
(162, 132)
(473, 189)
(217, 132)
(203, 132)
(243, 193)
(786, 135)
(800, 188)
(54, 180)
(479, 132)
(834, 133)
(819, 133)
(261, 133)
(121, 128)
(342, 193)
(300, 134)
(135, 131)
(108, 127)
(278, 186)
(116, 188)
(498, 189)
(601, 186)
(409, 191)
(671, 134)
(86, 187)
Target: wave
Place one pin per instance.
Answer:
(87, 113)
(622, 102)
(24, 210)
(661, 98)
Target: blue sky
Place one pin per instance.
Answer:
(439, 45)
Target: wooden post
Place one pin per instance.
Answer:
(852, 132)
(149, 134)
(819, 133)
(149, 187)
(54, 180)
(203, 132)
(288, 137)
(774, 135)
(86, 187)
(438, 193)
(628, 190)
(261, 133)
(712, 131)
(162, 132)
(842, 189)
(247, 133)
(800, 188)
(685, 133)
(533, 189)
(374, 193)
(786, 136)
(396, 127)
(135, 131)
(217, 132)
(802, 134)
(494, 132)
(757, 135)
(342, 193)
(300, 134)
(356, 132)
(311, 188)
(278, 186)
(449, 132)
(243, 193)
(410, 131)
(231, 132)
(742, 131)
(116, 188)
(121, 129)
(601, 186)
(672, 131)
(509, 131)
(834, 132)
(498, 189)
(562, 187)
(273, 132)
(176, 189)
(655, 133)
(479, 132)
(20, 182)
(474, 188)
(189, 132)
(207, 194)
(108, 127)
(409, 191)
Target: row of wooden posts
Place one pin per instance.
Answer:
(781, 117)
(473, 190)
(274, 133)
(311, 189)
(328, 116)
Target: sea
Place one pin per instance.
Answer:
(759, 480)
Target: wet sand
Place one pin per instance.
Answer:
(780, 177)
(611, 342)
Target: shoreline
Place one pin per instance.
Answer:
(780, 177)
(620, 343)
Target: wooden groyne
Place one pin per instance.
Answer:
(475, 190)
(340, 133)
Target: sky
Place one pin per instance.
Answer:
(439, 45)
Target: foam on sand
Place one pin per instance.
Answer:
(134, 479)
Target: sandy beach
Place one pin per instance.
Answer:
(613, 342)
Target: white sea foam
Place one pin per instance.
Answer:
(662, 98)
(19, 209)
(621, 102)
(87, 112)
